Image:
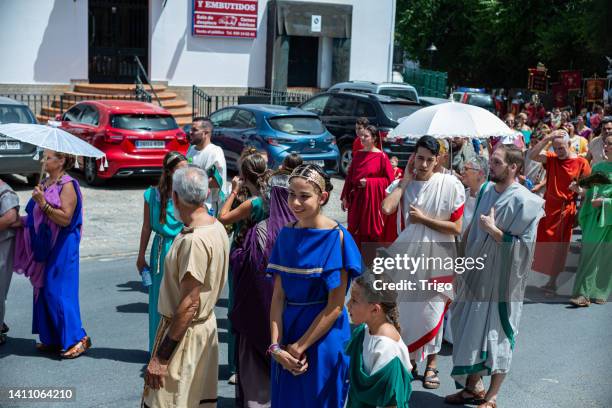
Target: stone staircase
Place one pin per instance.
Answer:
(179, 108)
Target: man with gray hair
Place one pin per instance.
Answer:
(184, 365)
(474, 175)
(563, 169)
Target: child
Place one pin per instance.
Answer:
(397, 172)
(380, 363)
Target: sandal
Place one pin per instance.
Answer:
(580, 301)
(81, 347)
(599, 301)
(550, 289)
(431, 382)
(45, 348)
(461, 399)
(2, 339)
(414, 372)
(4, 328)
(488, 404)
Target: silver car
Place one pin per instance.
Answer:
(395, 89)
(17, 157)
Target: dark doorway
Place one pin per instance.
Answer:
(303, 61)
(118, 31)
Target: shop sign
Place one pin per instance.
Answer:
(225, 18)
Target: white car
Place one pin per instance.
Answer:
(395, 89)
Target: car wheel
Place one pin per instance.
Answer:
(33, 179)
(346, 156)
(91, 172)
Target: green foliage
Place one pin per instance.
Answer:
(493, 42)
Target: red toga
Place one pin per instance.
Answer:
(365, 217)
(555, 229)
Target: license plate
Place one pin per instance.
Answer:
(150, 144)
(10, 145)
(320, 163)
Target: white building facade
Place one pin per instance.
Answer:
(308, 43)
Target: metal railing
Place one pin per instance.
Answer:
(139, 85)
(284, 98)
(50, 105)
(200, 102)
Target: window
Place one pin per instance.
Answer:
(365, 109)
(73, 113)
(90, 116)
(143, 122)
(403, 93)
(316, 105)
(244, 120)
(15, 114)
(339, 106)
(296, 125)
(223, 118)
(395, 111)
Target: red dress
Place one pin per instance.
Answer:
(555, 229)
(365, 217)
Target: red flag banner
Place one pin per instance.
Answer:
(572, 80)
(559, 94)
(537, 80)
(594, 89)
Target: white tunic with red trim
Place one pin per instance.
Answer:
(442, 197)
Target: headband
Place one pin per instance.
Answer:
(313, 177)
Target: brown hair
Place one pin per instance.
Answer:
(69, 160)
(362, 121)
(373, 130)
(254, 169)
(513, 155)
(387, 299)
(313, 171)
(171, 159)
(291, 161)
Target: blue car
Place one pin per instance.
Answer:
(277, 130)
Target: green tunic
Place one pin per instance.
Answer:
(594, 276)
(164, 236)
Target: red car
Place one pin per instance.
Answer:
(134, 135)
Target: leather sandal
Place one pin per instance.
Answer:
(2, 339)
(460, 398)
(488, 404)
(81, 347)
(4, 329)
(599, 301)
(580, 301)
(431, 382)
(414, 372)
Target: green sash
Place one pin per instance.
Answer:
(386, 387)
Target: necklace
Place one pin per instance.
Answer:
(57, 179)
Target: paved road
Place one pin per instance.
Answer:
(562, 357)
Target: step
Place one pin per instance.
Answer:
(50, 111)
(85, 95)
(173, 104)
(112, 89)
(181, 112)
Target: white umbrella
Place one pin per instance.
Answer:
(51, 138)
(451, 119)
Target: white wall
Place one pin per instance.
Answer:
(43, 41)
(182, 59)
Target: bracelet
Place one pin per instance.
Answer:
(273, 348)
(166, 348)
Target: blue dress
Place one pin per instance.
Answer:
(309, 262)
(57, 316)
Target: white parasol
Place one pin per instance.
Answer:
(446, 120)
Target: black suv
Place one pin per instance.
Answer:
(339, 111)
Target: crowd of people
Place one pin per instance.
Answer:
(509, 202)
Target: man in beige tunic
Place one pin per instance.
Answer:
(184, 366)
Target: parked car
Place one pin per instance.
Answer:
(476, 97)
(278, 130)
(396, 89)
(17, 157)
(340, 110)
(430, 100)
(135, 136)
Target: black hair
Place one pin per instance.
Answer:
(204, 119)
(291, 161)
(430, 143)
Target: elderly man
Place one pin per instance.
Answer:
(474, 175)
(183, 369)
(489, 298)
(462, 152)
(9, 210)
(555, 231)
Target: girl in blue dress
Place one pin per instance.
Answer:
(313, 262)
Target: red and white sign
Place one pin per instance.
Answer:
(225, 18)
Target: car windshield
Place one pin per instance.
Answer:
(483, 101)
(15, 114)
(297, 125)
(395, 110)
(143, 122)
(400, 93)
